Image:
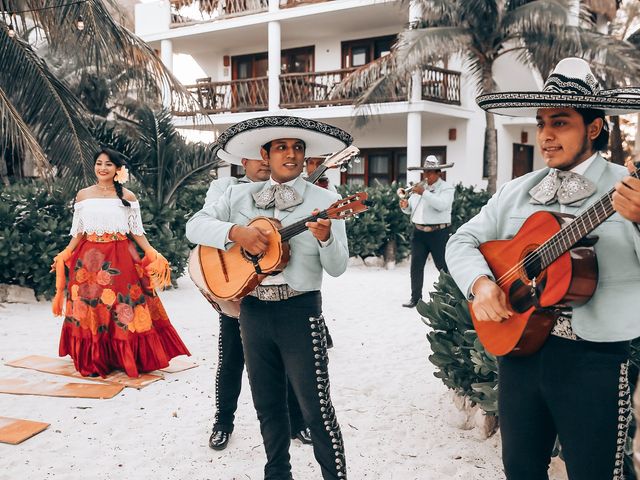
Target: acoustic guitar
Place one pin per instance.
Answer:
(230, 275)
(548, 265)
(231, 307)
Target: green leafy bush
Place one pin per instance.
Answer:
(462, 362)
(466, 204)
(384, 222)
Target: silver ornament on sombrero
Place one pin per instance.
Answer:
(566, 188)
(432, 163)
(570, 85)
(244, 139)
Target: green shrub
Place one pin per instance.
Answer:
(466, 204)
(384, 222)
(461, 361)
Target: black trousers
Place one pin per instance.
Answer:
(287, 339)
(229, 379)
(577, 390)
(423, 244)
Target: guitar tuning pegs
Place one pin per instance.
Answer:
(343, 169)
(356, 160)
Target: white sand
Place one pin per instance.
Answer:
(392, 410)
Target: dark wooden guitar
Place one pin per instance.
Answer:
(549, 264)
(230, 275)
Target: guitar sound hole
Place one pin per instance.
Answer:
(532, 266)
(251, 258)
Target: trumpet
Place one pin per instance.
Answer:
(405, 193)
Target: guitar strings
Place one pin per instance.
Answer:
(554, 242)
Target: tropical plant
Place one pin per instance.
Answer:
(537, 33)
(39, 114)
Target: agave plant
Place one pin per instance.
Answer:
(39, 114)
(539, 33)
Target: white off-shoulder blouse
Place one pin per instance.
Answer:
(106, 215)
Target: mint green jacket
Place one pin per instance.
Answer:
(211, 225)
(612, 313)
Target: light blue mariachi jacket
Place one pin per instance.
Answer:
(612, 313)
(436, 205)
(210, 226)
(218, 186)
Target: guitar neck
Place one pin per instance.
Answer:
(579, 228)
(290, 231)
(317, 173)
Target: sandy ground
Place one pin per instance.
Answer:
(395, 415)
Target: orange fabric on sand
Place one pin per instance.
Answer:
(114, 319)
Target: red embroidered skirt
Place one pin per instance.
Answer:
(113, 319)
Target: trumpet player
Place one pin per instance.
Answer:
(429, 204)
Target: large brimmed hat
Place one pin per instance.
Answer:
(570, 85)
(244, 139)
(431, 163)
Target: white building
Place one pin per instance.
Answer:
(259, 56)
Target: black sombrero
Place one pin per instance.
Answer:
(244, 139)
(570, 85)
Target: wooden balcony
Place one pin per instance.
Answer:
(249, 95)
(311, 89)
(187, 12)
(295, 3)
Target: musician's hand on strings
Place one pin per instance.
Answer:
(489, 302)
(404, 203)
(321, 228)
(626, 198)
(252, 239)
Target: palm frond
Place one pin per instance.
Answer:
(371, 82)
(18, 134)
(425, 46)
(54, 115)
(102, 42)
(540, 17)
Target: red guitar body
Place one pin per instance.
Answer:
(568, 281)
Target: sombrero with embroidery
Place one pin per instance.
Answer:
(244, 139)
(570, 85)
(431, 163)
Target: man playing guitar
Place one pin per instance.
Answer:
(283, 331)
(230, 354)
(575, 386)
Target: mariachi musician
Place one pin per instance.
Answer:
(283, 331)
(575, 386)
(230, 353)
(429, 205)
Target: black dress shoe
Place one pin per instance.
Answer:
(219, 440)
(411, 303)
(303, 435)
(329, 340)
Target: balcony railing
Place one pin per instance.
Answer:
(248, 95)
(440, 85)
(185, 12)
(311, 89)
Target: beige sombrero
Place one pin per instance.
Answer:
(431, 163)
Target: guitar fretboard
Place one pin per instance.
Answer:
(290, 231)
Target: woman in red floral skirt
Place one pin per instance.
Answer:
(113, 316)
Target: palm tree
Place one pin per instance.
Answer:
(479, 32)
(38, 112)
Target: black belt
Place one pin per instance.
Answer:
(432, 228)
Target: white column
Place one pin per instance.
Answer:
(166, 53)
(414, 145)
(274, 65)
(274, 5)
(414, 119)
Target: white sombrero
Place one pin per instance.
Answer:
(431, 163)
(570, 85)
(244, 139)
